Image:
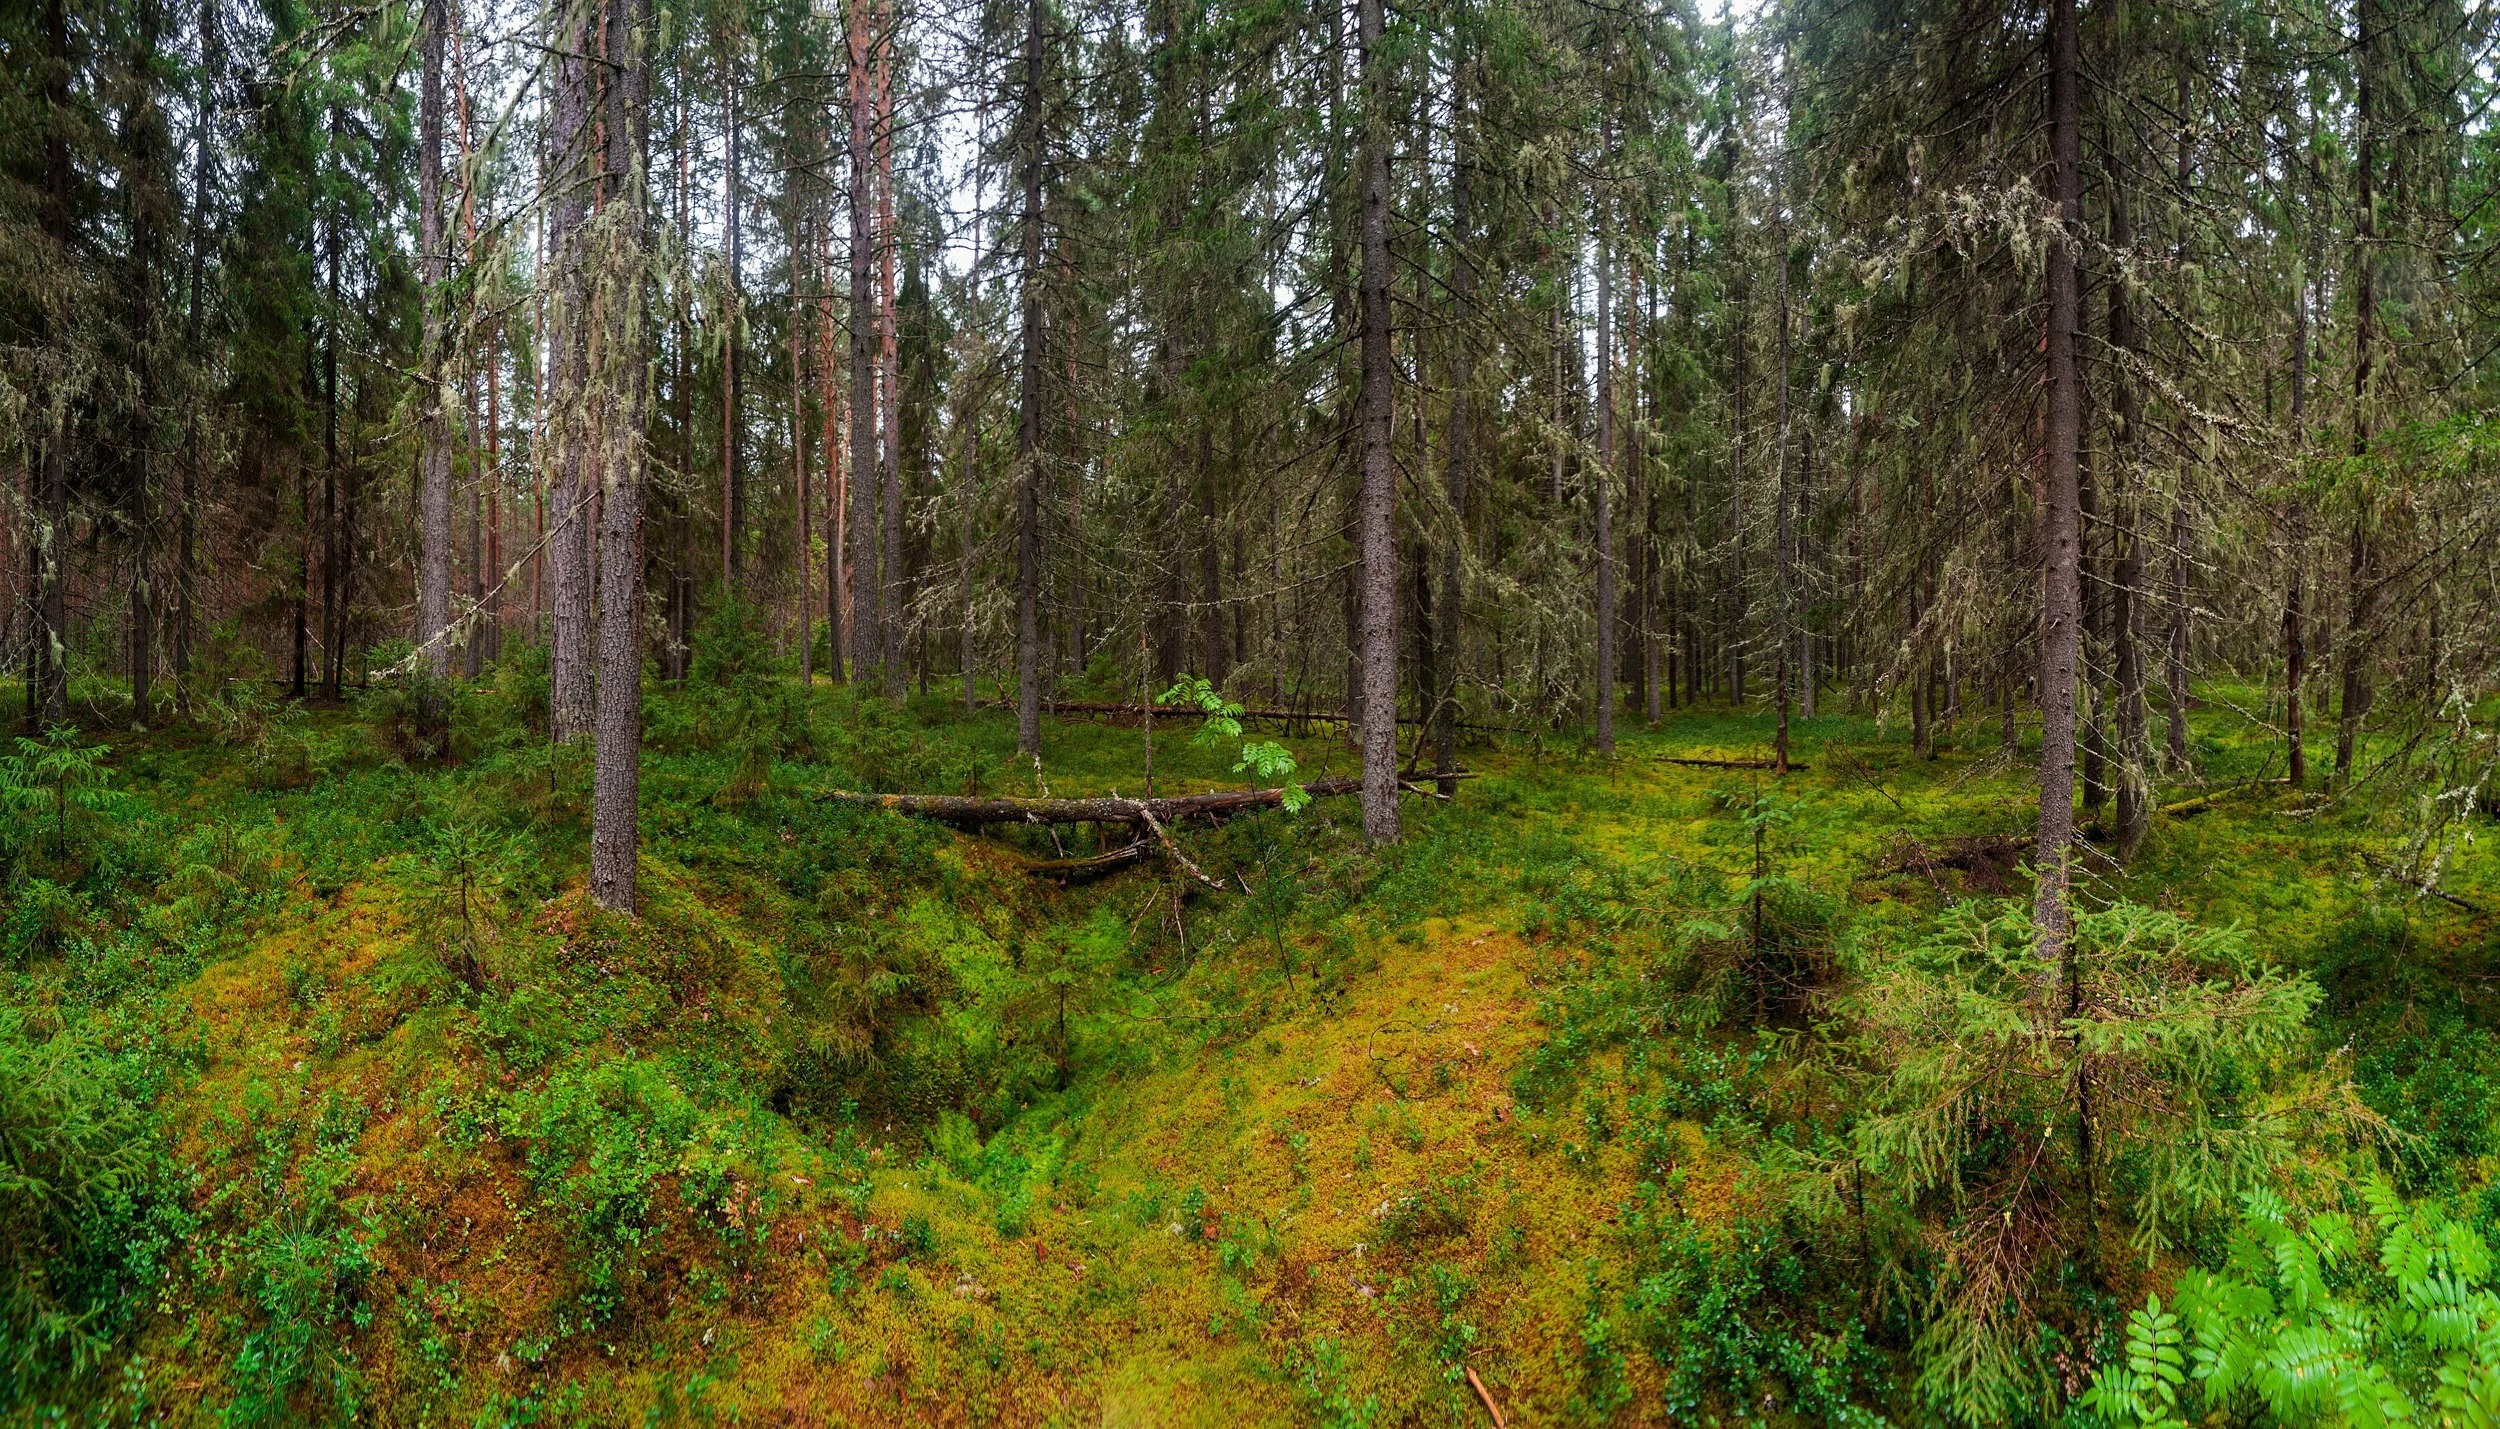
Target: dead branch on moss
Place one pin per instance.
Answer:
(1086, 866)
(1793, 766)
(1487, 1396)
(2189, 808)
(1987, 861)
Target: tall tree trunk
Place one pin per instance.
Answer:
(1377, 646)
(867, 640)
(2176, 746)
(1600, 488)
(616, 775)
(299, 607)
(494, 499)
(2060, 593)
(733, 378)
(2176, 743)
(1212, 661)
(798, 424)
(829, 405)
(542, 444)
(889, 377)
(195, 468)
(1784, 532)
(2362, 566)
(1029, 401)
(1734, 635)
(967, 473)
(1806, 500)
(574, 160)
(2135, 804)
(681, 392)
(47, 689)
(331, 639)
(473, 645)
(2295, 598)
(145, 187)
(2093, 733)
(1462, 389)
(433, 427)
(1645, 483)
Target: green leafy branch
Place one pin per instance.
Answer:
(2295, 1329)
(1267, 761)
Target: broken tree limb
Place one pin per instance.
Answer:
(1103, 862)
(2387, 870)
(1174, 849)
(1487, 1396)
(1135, 813)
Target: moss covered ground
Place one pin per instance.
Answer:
(861, 1124)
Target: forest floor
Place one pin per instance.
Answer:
(861, 1124)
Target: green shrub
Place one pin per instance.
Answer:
(2303, 1325)
(601, 1136)
(53, 792)
(743, 705)
(2159, 1039)
(87, 1206)
(1747, 1318)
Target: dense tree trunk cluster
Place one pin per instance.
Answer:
(1533, 363)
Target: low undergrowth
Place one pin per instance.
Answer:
(1618, 1092)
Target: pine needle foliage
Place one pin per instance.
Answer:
(2020, 1117)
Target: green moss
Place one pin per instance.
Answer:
(858, 1117)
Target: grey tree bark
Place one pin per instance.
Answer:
(1462, 384)
(2362, 577)
(1784, 531)
(1739, 383)
(2060, 520)
(2175, 730)
(1029, 402)
(867, 641)
(195, 465)
(1601, 496)
(1377, 651)
(2295, 599)
(617, 769)
(571, 170)
(434, 430)
(890, 383)
(733, 378)
(2135, 803)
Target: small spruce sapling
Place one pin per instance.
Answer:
(55, 775)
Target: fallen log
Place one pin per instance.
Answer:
(1263, 715)
(1794, 766)
(2190, 807)
(1141, 814)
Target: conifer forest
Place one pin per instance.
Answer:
(1283, 712)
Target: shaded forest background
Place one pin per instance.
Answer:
(1721, 336)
